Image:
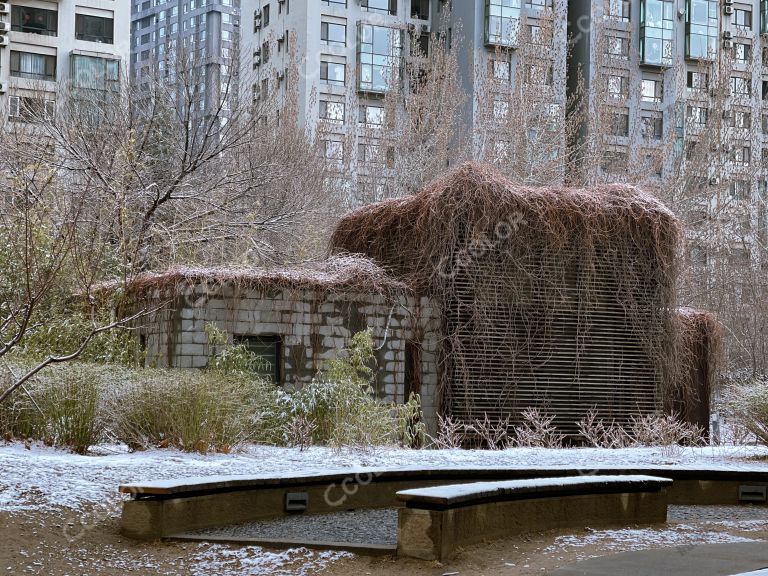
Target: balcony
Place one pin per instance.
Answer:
(502, 23)
(657, 32)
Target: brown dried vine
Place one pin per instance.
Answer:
(553, 297)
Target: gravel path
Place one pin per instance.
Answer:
(358, 526)
(380, 526)
(719, 514)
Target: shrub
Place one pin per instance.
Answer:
(191, 410)
(748, 404)
(63, 335)
(60, 406)
(340, 408)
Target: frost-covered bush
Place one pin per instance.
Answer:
(748, 404)
(339, 408)
(60, 406)
(193, 410)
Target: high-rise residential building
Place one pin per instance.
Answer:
(678, 89)
(198, 37)
(341, 55)
(45, 45)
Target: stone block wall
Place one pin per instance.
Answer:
(313, 327)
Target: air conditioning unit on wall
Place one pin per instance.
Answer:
(5, 8)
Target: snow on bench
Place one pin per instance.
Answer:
(455, 495)
(437, 521)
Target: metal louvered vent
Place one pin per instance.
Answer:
(532, 331)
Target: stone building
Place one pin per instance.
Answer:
(294, 319)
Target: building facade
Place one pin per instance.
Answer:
(199, 38)
(677, 93)
(45, 45)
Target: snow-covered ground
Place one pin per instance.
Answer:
(37, 480)
(40, 478)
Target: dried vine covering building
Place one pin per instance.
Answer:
(556, 298)
(484, 297)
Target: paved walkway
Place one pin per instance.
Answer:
(703, 560)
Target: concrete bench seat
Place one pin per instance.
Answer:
(436, 521)
(163, 508)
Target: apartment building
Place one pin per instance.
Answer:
(201, 36)
(685, 86)
(47, 44)
(346, 53)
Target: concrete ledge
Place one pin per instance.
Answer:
(160, 509)
(438, 520)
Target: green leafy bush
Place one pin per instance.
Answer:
(339, 408)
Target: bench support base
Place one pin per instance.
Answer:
(436, 534)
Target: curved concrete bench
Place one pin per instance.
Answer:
(435, 521)
(167, 507)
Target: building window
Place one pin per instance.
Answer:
(268, 350)
(540, 74)
(617, 86)
(378, 55)
(741, 119)
(619, 123)
(656, 32)
(742, 53)
(618, 10)
(742, 155)
(420, 9)
(500, 109)
(387, 6)
(742, 19)
(30, 109)
(740, 86)
(33, 66)
(697, 115)
(94, 29)
(34, 20)
(332, 111)
(333, 73)
(501, 70)
(502, 22)
(739, 190)
(764, 16)
(368, 153)
(617, 47)
(94, 73)
(333, 33)
(371, 116)
(701, 29)
(652, 127)
(651, 90)
(698, 81)
(333, 149)
(265, 16)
